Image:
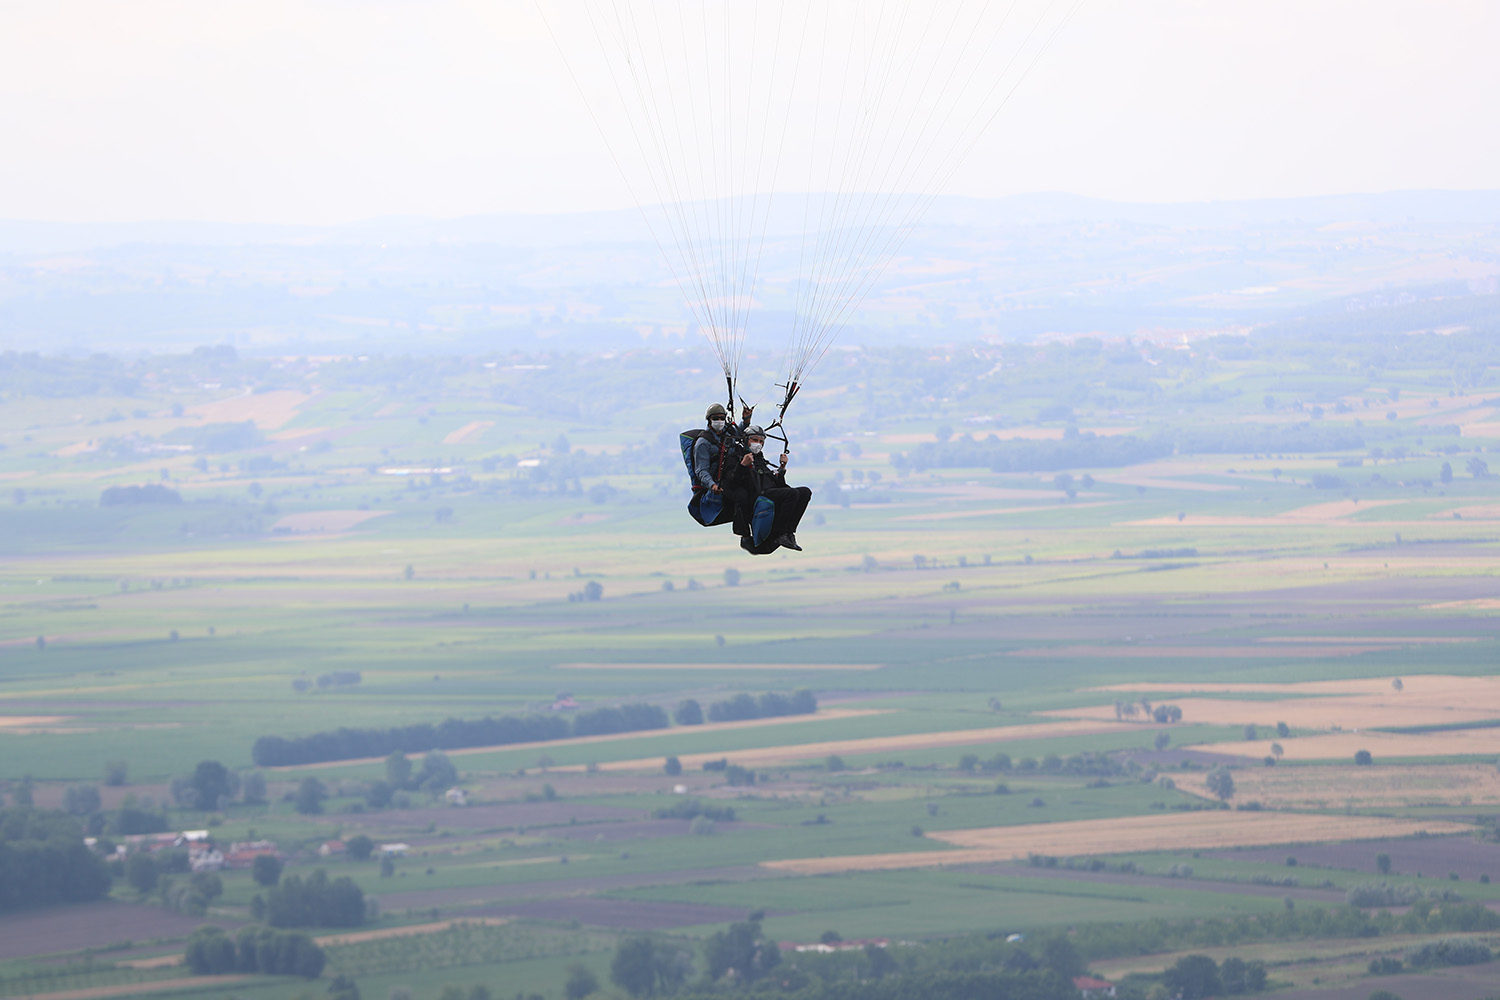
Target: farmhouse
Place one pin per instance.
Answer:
(456, 797)
(829, 947)
(1088, 987)
(330, 848)
(394, 850)
(242, 853)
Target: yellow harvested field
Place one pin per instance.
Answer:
(788, 754)
(468, 432)
(1245, 652)
(1382, 746)
(1130, 834)
(718, 665)
(385, 933)
(1340, 785)
(1478, 604)
(1366, 703)
(326, 520)
(269, 410)
(1334, 508)
(25, 722)
(1475, 512)
(824, 715)
(1427, 685)
(997, 511)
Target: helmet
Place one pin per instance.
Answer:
(754, 431)
(716, 411)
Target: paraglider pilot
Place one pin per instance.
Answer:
(753, 478)
(716, 448)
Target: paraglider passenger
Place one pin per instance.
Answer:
(753, 477)
(716, 450)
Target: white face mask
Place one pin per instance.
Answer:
(717, 425)
(755, 447)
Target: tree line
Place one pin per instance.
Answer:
(452, 734)
(747, 706)
(1081, 450)
(44, 861)
(316, 901)
(211, 952)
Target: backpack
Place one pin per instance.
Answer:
(706, 507)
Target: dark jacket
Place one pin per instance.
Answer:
(759, 476)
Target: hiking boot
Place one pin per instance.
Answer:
(789, 541)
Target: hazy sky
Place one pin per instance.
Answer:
(335, 110)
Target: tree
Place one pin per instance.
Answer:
(834, 762)
(22, 796)
(580, 982)
(359, 847)
(741, 951)
(309, 798)
(1277, 751)
(1221, 783)
(1383, 863)
(1396, 684)
(1478, 467)
(210, 952)
(1163, 739)
(1283, 730)
(644, 967)
(253, 789)
(140, 872)
(344, 988)
(397, 769)
(437, 774)
(316, 901)
(81, 800)
(266, 869)
(731, 577)
(115, 773)
(1233, 973)
(1446, 474)
(1363, 758)
(593, 590)
(1249, 732)
(1061, 956)
(673, 767)
(212, 782)
(1193, 977)
(378, 794)
(688, 713)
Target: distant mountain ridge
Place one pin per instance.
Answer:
(625, 225)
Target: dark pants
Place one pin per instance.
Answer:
(742, 502)
(791, 503)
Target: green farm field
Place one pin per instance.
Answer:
(986, 648)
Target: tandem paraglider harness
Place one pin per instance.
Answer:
(707, 507)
